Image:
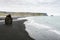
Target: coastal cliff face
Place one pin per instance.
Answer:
(29, 14)
(24, 14)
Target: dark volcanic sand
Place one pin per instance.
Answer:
(16, 31)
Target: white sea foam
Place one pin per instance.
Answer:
(34, 28)
(1, 20)
(21, 18)
(55, 31)
(33, 23)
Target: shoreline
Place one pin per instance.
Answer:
(16, 31)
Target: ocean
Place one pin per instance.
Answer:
(43, 27)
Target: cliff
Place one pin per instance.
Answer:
(23, 14)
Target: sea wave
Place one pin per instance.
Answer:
(39, 30)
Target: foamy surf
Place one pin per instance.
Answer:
(35, 30)
(55, 31)
(33, 23)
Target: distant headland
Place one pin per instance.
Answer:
(24, 14)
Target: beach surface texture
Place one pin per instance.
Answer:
(16, 31)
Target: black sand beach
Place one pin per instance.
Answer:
(16, 31)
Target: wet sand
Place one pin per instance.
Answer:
(16, 31)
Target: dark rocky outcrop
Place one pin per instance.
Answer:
(8, 19)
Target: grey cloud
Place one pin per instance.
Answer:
(27, 2)
(30, 5)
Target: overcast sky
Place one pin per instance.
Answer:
(45, 6)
